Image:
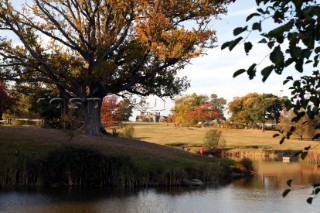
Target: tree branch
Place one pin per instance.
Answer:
(56, 23)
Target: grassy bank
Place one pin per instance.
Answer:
(34, 156)
(164, 134)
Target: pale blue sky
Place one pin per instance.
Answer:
(213, 73)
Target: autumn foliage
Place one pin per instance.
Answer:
(108, 107)
(114, 111)
(204, 112)
(304, 128)
(191, 109)
(255, 109)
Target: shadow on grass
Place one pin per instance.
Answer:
(179, 144)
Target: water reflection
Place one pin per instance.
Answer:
(262, 193)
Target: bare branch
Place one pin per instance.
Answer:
(56, 23)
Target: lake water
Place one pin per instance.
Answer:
(262, 193)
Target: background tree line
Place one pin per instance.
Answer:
(264, 111)
(189, 110)
(35, 101)
(255, 109)
(250, 111)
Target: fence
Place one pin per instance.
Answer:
(9, 120)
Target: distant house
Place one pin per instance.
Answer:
(163, 118)
(151, 117)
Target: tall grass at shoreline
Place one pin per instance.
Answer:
(72, 165)
(47, 160)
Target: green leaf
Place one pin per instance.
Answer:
(316, 185)
(252, 71)
(277, 56)
(234, 43)
(251, 16)
(285, 81)
(239, 30)
(297, 84)
(247, 47)
(304, 155)
(309, 200)
(298, 153)
(260, 10)
(317, 136)
(307, 148)
(286, 192)
(266, 72)
(307, 11)
(292, 128)
(257, 26)
(298, 117)
(295, 119)
(288, 134)
(288, 104)
(306, 53)
(288, 62)
(238, 72)
(282, 140)
(270, 44)
(263, 41)
(276, 135)
(280, 39)
(290, 78)
(289, 182)
(296, 52)
(314, 99)
(299, 65)
(316, 61)
(277, 32)
(224, 45)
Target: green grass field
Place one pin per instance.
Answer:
(164, 134)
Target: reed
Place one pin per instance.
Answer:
(74, 165)
(313, 157)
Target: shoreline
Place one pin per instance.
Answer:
(42, 158)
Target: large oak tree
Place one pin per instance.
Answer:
(91, 48)
(6, 101)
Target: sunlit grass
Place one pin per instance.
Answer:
(164, 134)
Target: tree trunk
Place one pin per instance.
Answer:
(92, 117)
